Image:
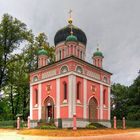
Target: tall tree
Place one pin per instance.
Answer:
(12, 33)
(119, 100)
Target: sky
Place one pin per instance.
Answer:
(114, 24)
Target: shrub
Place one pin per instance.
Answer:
(48, 127)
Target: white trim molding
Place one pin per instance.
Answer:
(70, 96)
(108, 103)
(74, 93)
(39, 101)
(58, 98)
(31, 104)
(101, 101)
(69, 73)
(85, 100)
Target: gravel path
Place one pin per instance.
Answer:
(125, 136)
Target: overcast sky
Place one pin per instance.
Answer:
(114, 24)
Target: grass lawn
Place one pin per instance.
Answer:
(71, 133)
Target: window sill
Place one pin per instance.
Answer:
(36, 105)
(78, 102)
(65, 101)
(104, 106)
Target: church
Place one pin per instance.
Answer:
(70, 86)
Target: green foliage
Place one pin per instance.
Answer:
(12, 33)
(48, 127)
(8, 124)
(94, 126)
(126, 100)
(129, 124)
(15, 68)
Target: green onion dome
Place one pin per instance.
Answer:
(63, 33)
(71, 38)
(42, 52)
(98, 53)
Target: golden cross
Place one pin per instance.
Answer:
(70, 12)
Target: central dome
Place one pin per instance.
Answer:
(63, 33)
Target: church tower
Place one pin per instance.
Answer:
(42, 58)
(98, 58)
(70, 41)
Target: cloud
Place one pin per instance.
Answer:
(112, 23)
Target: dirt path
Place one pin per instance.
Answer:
(14, 136)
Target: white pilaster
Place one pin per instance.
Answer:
(31, 104)
(108, 103)
(74, 93)
(101, 102)
(85, 99)
(39, 101)
(70, 96)
(58, 98)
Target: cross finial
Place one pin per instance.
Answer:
(70, 12)
(70, 18)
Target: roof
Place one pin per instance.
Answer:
(42, 52)
(63, 33)
(71, 38)
(98, 53)
(77, 59)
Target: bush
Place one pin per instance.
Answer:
(48, 127)
(91, 126)
(132, 116)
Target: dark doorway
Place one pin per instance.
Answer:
(49, 111)
(92, 109)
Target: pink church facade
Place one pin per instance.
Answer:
(70, 85)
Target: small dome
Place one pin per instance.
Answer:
(63, 33)
(71, 38)
(42, 52)
(98, 53)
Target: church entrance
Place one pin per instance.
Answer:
(49, 109)
(92, 109)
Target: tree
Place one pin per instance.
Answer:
(119, 100)
(41, 42)
(12, 33)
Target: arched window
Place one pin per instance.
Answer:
(105, 79)
(104, 98)
(64, 69)
(60, 55)
(35, 79)
(65, 90)
(79, 69)
(81, 54)
(78, 90)
(36, 96)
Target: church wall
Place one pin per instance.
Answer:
(49, 90)
(64, 112)
(35, 87)
(105, 89)
(34, 104)
(90, 94)
(79, 103)
(62, 81)
(105, 114)
(105, 106)
(79, 79)
(79, 111)
(63, 103)
(35, 114)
